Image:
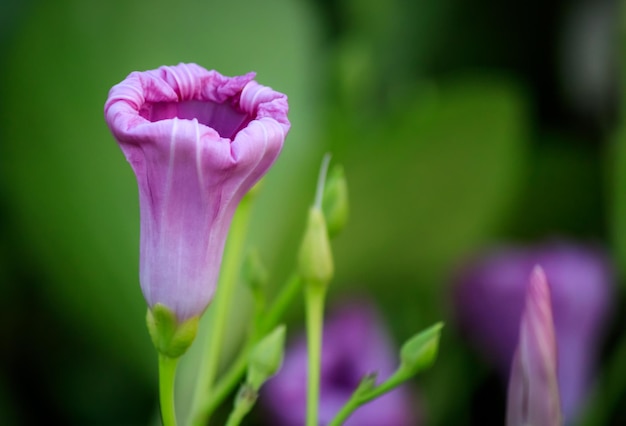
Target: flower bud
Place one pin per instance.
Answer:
(489, 300)
(266, 358)
(197, 141)
(335, 201)
(315, 261)
(533, 396)
(420, 351)
(170, 337)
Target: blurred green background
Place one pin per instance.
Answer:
(458, 124)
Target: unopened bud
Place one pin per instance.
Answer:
(420, 351)
(266, 358)
(315, 260)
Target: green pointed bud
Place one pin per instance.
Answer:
(420, 351)
(170, 337)
(335, 201)
(266, 358)
(315, 260)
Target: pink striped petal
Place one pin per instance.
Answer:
(533, 397)
(197, 142)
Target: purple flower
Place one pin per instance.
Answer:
(197, 142)
(533, 397)
(354, 344)
(490, 296)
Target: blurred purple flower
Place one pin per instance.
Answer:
(197, 142)
(533, 396)
(490, 296)
(354, 344)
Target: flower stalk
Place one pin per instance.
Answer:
(315, 296)
(244, 402)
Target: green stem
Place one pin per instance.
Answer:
(167, 375)
(357, 399)
(346, 411)
(243, 404)
(315, 295)
(223, 300)
(236, 416)
(394, 381)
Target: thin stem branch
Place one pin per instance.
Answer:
(243, 404)
(357, 399)
(235, 417)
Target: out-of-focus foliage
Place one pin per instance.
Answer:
(458, 124)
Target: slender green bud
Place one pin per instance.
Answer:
(315, 260)
(420, 351)
(335, 201)
(266, 358)
(170, 337)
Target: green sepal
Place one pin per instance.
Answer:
(335, 201)
(315, 259)
(420, 351)
(266, 358)
(170, 337)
